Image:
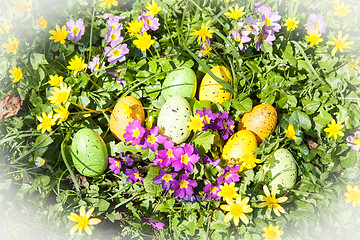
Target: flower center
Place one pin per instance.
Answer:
(148, 22)
(357, 141)
(83, 221)
(76, 30)
(137, 176)
(170, 153)
(206, 119)
(236, 210)
(116, 52)
(227, 175)
(317, 25)
(339, 43)
(167, 177)
(261, 36)
(17, 74)
(62, 97)
(354, 196)
(184, 184)
(185, 159)
(113, 36)
(271, 234)
(151, 138)
(96, 66)
(117, 163)
(136, 133)
(268, 22)
(213, 190)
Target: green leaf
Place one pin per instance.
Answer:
(349, 160)
(300, 119)
(36, 59)
(218, 222)
(204, 140)
(323, 118)
(253, 66)
(242, 106)
(289, 54)
(152, 189)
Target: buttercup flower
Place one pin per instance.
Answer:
(314, 37)
(39, 162)
(272, 233)
(353, 195)
(152, 8)
(114, 165)
(247, 162)
(46, 122)
(334, 129)
(135, 27)
(60, 95)
(228, 191)
(108, 3)
(59, 35)
(11, 46)
(55, 80)
(77, 64)
(153, 139)
(236, 210)
(144, 41)
(5, 27)
(41, 22)
(340, 43)
(165, 178)
(62, 112)
(271, 201)
(83, 221)
(76, 29)
(354, 141)
(196, 123)
(290, 132)
(211, 191)
(203, 33)
(184, 187)
(235, 13)
(291, 23)
(16, 74)
(133, 175)
(95, 63)
(186, 157)
(134, 132)
(317, 23)
(341, 9)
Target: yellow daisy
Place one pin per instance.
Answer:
(46, 122)
(341, 9)
(11, 46)
(236, 210)
(108, 3)
(248, 161)
(196, 123)
(135, 27)
(62, 112)
(41, 22)
(291, 23)
(340, 43)
(203, 33)
(143, 41)
(314, 37)
(16, 74)
(153, 8)
(353, 195)
(290, 132)
(235, 13)
(55, 80)
(228, 191)
(126, 110)
(77, 64)
(83, 221)
(271, 201)
(59, 35)
(272, 233)
(60, 95)
(334, 129)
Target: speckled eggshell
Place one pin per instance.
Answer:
(180, 82)
(283, 163)
(89, 153)
(119, 121)
(261, 120)
(173, 119)
(211, 90)
(241, 143)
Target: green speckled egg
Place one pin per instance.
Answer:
(282, 167)
(89, 153)
(180, 82)
(173, 119)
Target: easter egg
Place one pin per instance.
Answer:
(211, 90)
(173, 119)
(180, 82)
(261, 120)
(126, 110)
(89, 153)
(240, 144)
(280, 167)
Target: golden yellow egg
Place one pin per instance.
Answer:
(126, 110)
(211, 90)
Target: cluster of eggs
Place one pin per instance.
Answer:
(179, 88)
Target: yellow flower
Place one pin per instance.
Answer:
(11, 46)
(16, 74)
(135, 27)
(5, 27)
(353, 195)
(314, 37)
(196, 123)
(203, 32)
(143, 41)
(83, 221)
(60, 95)
(291, 23)
(228, 191)
(229, 1)
(235, 13)
(272, 233)
(59, 35)
(248, 161)
(354, 63)
(46, 122)
(126, 110)
(55, 80)
(271, 201)
(153, 8)
(290, 132)
(22, 6)
(334, 129)
(42, 22)
(206, 51)
(62, 112)
(340, 43)
(236, 210)
(341, 9)
(77, 64)
(109, 3)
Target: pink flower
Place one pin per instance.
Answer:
(116, 52)
(134, 132)
(150, 22)
(317, 22)
(76, 29)
(354, 141)
(186, 156)
(211, 192)
(153, 139)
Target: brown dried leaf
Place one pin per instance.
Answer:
(10, 106)
(79, 178)
(311, 144)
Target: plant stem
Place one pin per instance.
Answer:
(92, 81)
(88, 109)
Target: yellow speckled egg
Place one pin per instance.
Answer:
(261, 120)
(126, 110)
(241, 143)
(211, 90)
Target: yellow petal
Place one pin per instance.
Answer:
(244, 219)
(82, 211)
(227, 217)
(88, 214)
(94, 221)
(88, 230)
(73, 229)
(266, 190)
(225, 207)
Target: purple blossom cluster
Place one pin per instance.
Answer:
(150, 21)
(115, 166)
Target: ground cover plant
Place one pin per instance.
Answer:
(179, 119)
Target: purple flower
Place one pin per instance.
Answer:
(115, 165)
(211, 192)
(186, 156)
(209, 118)
(161, 161)
(150, 22)
(133, 175)
(184, 187)
(271, 19)
(207, 160)
(134, 132)
(258, 7)
(317, 22)
(241, 38)
(116, 75)
(116, 52)
(265, 35)
(126, 160)
(95, 63)
(167, 154)
(226, 124)
(76, 29)
(165, 178)
(113, 35)
(113, 17)
(157, 225)
(230, 175)
(205, 49)
(153, 139)
(191, 199)
(354, 141)
(113, 23)
(252, 25)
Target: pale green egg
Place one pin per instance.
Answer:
(182, 82)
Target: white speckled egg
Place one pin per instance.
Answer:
(173, 119)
